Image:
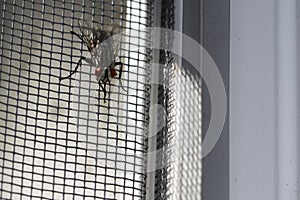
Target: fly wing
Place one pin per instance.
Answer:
(106, 51)
(114, 33)
(103, 54)
(117, 45)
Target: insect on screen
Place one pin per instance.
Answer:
(63, 139)
(76, 97)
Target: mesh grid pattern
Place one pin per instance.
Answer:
(185, 173)
(180, 139)
(166, 99)
(59, 140)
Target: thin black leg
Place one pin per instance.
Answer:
(76, 68)
(106, 78)
(121, 68)
(104, 90)
(79, 36)
(120, 74)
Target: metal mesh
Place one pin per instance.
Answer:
(179, 174)
(180, 139)
(59, 140)
(166, 100)
(185, 175)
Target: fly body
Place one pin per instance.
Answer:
(103, 50)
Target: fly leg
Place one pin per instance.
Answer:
(120, 75)
(79, 36)
(106, 79)
(76, 68)
(104, 90)
(80, 60)
(82, 39)
(88, 60)
(104, 82)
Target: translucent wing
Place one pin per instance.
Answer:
(105, 55)
(106, 50)
(117, 44)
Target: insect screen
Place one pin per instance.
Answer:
(62, 139)
(75, 126)
(179, 173)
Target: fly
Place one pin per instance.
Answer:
(101, 46)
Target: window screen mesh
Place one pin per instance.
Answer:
(58, 139)
(179, 174)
